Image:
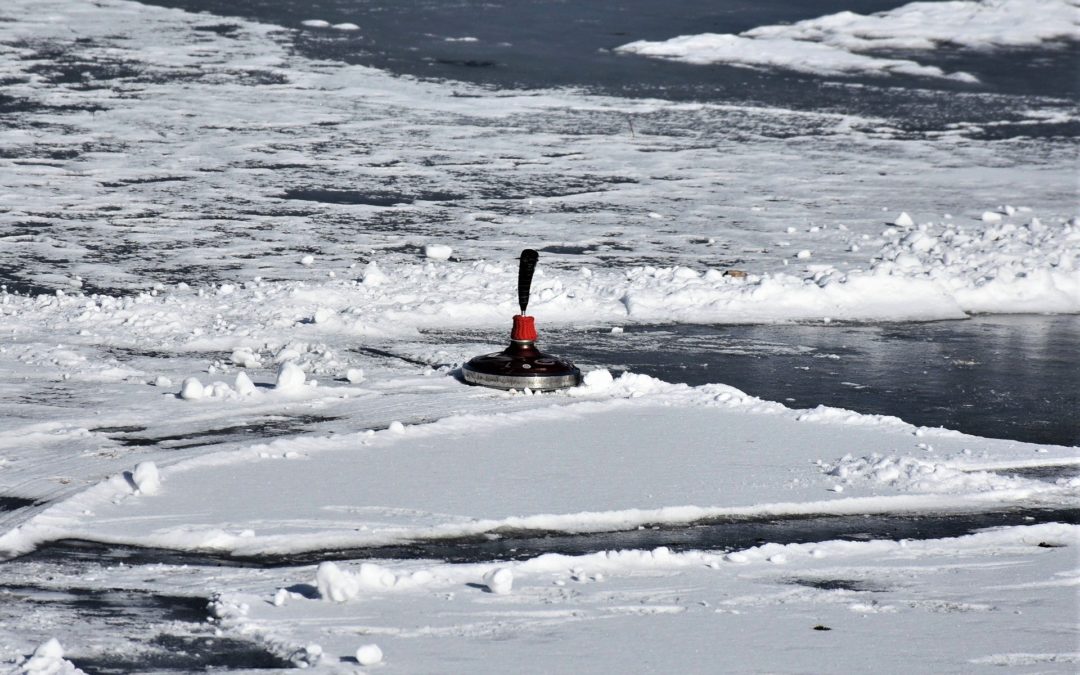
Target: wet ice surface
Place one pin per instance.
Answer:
(997, 376)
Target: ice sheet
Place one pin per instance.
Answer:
(845, 43)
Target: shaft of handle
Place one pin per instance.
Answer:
(525, 275)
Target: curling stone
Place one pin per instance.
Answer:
(522, 365)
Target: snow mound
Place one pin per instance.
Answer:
(917, 475)
(438, 251)
(146, 478)
(1005, 267)
(601, 383)
(338, 585)
(369, 655)
(290, 377)
(192, 389)
(47, 659)
(499, 581)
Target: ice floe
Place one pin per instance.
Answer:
(843, 43)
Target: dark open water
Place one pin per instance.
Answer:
(545, 43)
(1015, 377)
(526, 44)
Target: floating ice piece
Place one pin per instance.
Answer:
(369, 655)
(803, 254)
(243, 385)
(289, 377)
(837, 44)
(48, 659)
(307, 260)
(903, 220)
(146, 477)
(281, 597)
(991, 217)
(162, 381)
(438, 251)
(499, 581)
(245, 358)
(315, 23)
(192, 389)
(396, 427)
(783, 52)
(373, 276)
(354, 375)
(600, 379)
(334, 584)
(345, 26)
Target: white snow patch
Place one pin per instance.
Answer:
(243, 385)
(499, 581)
(146, 478)
(354, 375)
(369, 655)
(47, 659)
(438, 251)
(290, 377)
(192, 389)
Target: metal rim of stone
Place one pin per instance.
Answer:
(532, 382)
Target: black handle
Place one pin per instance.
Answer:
(525, 275)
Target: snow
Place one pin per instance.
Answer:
(782, 52)
(427, 489)
(391, 449)
(355, 375)
(290, 377)
(47, 659)
(758, 606)
(369, 655)
(146, 478)
(438, 251)
(192, 389)
(499, 581)
(837, 44)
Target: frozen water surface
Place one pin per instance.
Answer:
(187, 149)
(245, 251)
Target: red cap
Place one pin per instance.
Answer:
(524, 329)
